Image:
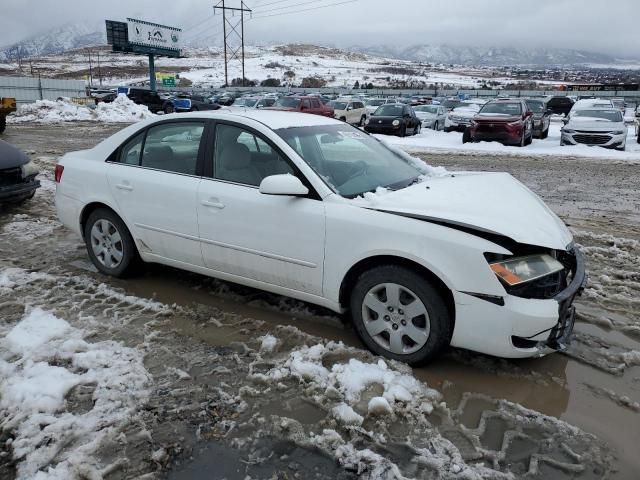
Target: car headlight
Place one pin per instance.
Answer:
(515, 271)
(619, 132)
(515, 124)
(568, 131)
(29, 169)
(395, 123)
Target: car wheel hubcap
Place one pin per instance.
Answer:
(395, 318)
(106, 243)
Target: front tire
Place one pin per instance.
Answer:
(109, 243)
(362, 120)
(416, 131)
(169, 109)
(400, 315)
(403, 131)
(466, 135)
(435, 126)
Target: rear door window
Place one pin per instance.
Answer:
(130, 153)
(315, 103)
(173, 147)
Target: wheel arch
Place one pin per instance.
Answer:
(368, 263)
(91, 207)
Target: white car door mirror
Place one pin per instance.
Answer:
(286, 184)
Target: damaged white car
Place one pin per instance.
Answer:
(312, 208)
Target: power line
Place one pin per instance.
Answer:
(291, 6)
(305, 9)
(271, 3)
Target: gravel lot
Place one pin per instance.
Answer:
(224, 400)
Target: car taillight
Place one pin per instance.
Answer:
(58, 173)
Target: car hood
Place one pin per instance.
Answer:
(463, 113)
(593, 125)
(496, 118)
(11, 157)
(495, 203)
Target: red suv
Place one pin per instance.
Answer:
(508, 121)
(304, 105)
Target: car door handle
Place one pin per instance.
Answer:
(213, 204)
(124, 186)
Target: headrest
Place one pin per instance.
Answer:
(235, 157)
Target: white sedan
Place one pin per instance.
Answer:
(313, 208)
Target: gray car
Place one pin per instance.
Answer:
(603, 127)
(541, 117)
(431, 116)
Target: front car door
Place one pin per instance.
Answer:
(154, 179)
(275, 240)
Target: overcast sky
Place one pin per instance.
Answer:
(607, 26)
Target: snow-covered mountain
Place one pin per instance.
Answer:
(74, 36)
(57, 40)
(489, 56)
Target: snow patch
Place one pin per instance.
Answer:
(42, 358)
(268, 343)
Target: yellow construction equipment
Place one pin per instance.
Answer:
(7, 106)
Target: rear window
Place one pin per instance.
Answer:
(502, 109)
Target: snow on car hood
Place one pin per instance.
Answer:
(490, 202)
(594, 124)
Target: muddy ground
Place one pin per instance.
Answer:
(222, 404)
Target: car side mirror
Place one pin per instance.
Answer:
(349, 108)
(287, 185)
(565, 120)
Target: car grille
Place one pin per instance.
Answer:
(10, 176)
(592, 138)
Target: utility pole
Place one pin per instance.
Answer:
(90, 69)
(99, 69)
(232, 52)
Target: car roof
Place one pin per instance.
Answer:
(273, 119)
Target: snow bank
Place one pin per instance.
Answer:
(121, 110)
(42, 359)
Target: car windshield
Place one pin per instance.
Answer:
(349, 161)
(338, 105)
(501, 109)
(427, 109)
(288, 102)
(389, 111)
(536, 106)
(609, 115)
(375, 103)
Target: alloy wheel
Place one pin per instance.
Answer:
(106, 243)
(395, 318)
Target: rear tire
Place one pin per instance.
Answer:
(435, 126)
(400, 315)
(362, 120)
(169, 109)
(109, 244)
(416, 131)
(343, 119)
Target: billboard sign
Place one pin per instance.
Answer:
(153, 35)
(603, 87)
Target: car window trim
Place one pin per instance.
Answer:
(208, 173)
(115, 157)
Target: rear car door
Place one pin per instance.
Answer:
(154, 180)
(277, 240)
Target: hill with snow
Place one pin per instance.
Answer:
(57, 40)
(489, 56)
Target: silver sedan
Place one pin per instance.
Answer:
(431, 116)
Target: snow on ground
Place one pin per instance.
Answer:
(42, 358)
(442, 142)
(121, 110)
